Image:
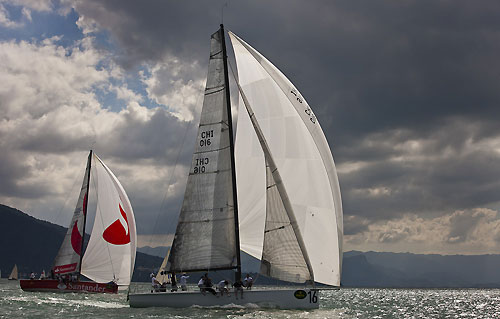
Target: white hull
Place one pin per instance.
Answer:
(279, 298)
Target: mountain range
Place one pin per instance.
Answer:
(32, 244)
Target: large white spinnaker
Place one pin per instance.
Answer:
(303, 158)
(110, 254)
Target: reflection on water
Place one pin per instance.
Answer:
(344, 303)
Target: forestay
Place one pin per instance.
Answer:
(205, 234)
(68, 258)
(110, 254)
(302, 156)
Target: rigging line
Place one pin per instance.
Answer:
(75, 182)
(181, 146)
(222, 12)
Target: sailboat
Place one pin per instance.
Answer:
(14, 273)
(273, 194)
(109, 258)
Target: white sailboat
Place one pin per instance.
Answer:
(110, 255)
(275, 195)
(14, 273)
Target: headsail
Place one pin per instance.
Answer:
(303, 158)
(110, 254)
(205, 235)
(69, 256)
(163, 276)
(284, 254)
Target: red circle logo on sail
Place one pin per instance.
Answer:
(116, 234)
(76, 239)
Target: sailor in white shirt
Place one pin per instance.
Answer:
(183, 281)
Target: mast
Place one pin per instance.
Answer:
(85, 202)
(237, 275)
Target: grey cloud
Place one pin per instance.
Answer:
(160, 138)
(355, 224)
(378, 75)
(462, 224)
(12, 172)
(393, 236)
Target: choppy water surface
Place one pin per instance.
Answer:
(346, 303)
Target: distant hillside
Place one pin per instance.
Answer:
(32, 244)
(248, 263)
(379, 269)
(383, 269)
(154, 251)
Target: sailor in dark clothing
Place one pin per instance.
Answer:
(238, 286)
(208, 285)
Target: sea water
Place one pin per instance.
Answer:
(343, 303)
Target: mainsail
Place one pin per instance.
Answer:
(205, 238)
(110, 254)
(69, 256)
(302, 156)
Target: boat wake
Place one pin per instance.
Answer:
(68, 302)
(229, 306)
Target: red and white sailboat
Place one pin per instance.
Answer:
(109, 258)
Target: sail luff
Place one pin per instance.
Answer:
(231, 147)
(279, 184)
(85, 206)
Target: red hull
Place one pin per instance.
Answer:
(74, 286)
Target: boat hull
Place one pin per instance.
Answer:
(48, 285)
(279, 298)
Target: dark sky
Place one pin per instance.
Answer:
(407, 93)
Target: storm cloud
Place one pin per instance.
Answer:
(407, 94)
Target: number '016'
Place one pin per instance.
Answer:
(205, 138)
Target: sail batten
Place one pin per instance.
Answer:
(205, 235)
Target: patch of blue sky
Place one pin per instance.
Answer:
(138, 86)
(132, 81)
(109, 100)
(42, 25)
(47, 24)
